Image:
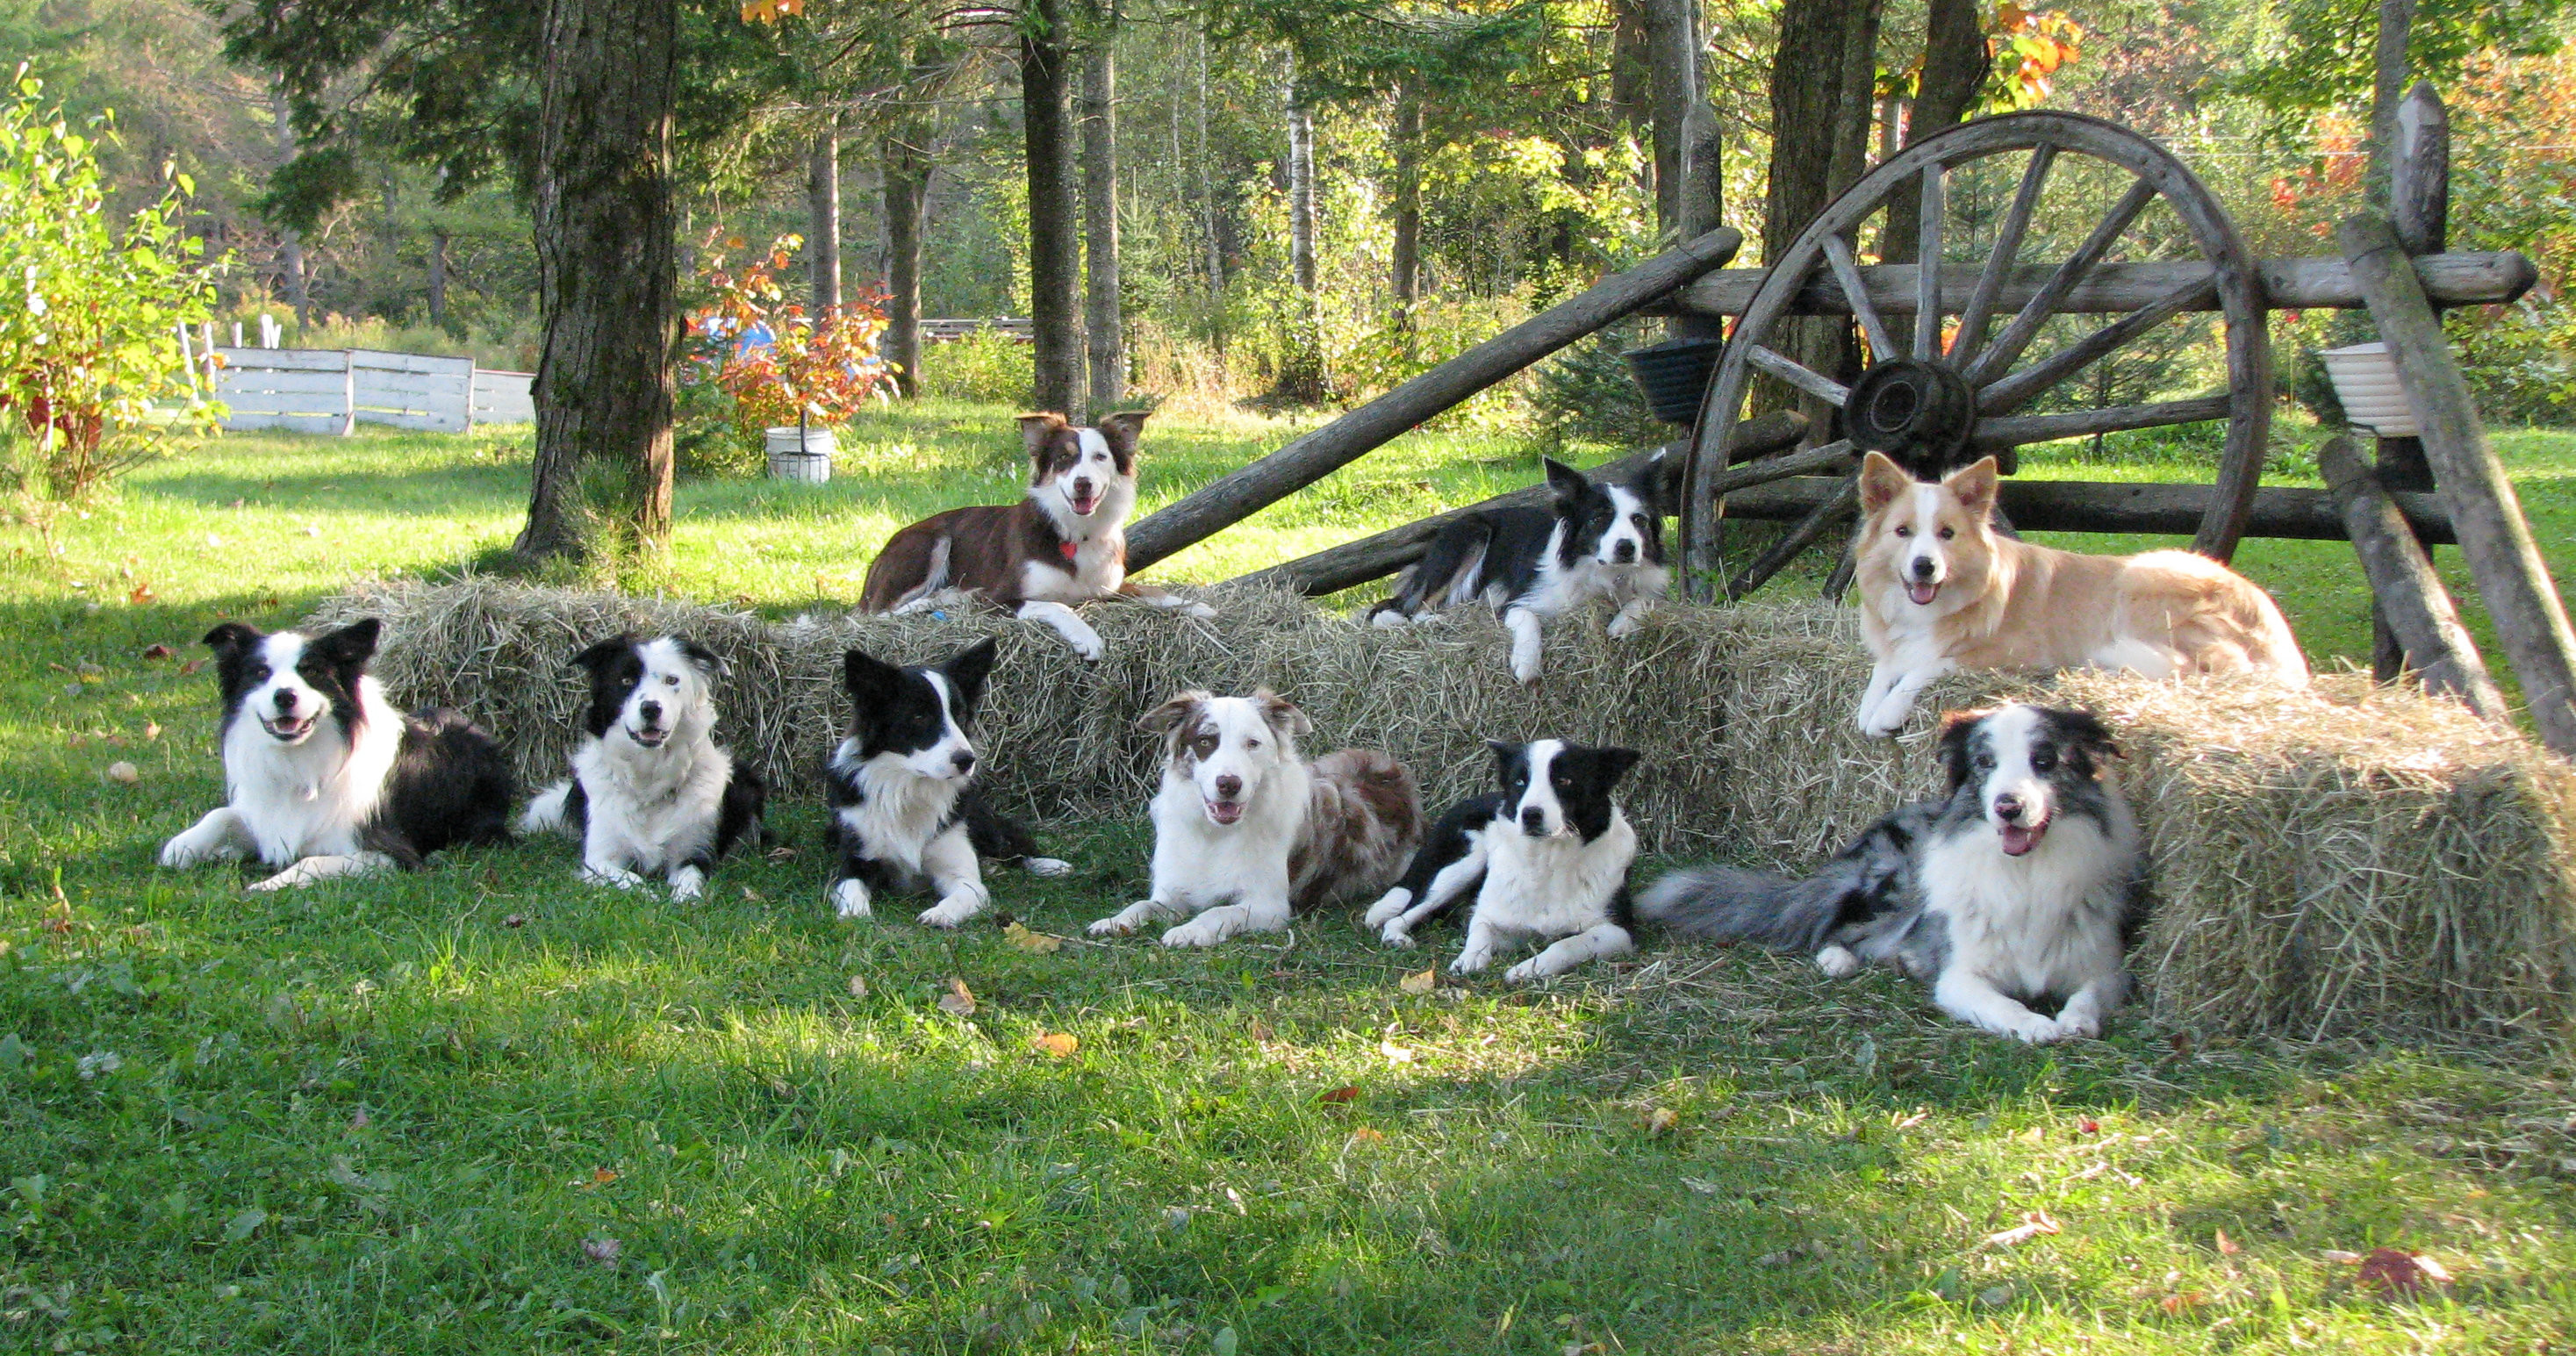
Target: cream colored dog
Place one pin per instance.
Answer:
(1940, 591)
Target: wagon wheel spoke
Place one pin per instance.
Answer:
(2043, 303)
(1797, 374)
(1927, 262)
(2017, 430)
(1838, 253)
(2017, 390)
(1990, 282)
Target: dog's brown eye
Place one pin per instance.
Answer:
(1905, 531)
(1205, 744)
(1948, 532)
(1252, 743)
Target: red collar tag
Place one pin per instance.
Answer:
(1067, 548)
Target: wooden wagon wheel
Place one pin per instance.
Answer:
(1931, 401)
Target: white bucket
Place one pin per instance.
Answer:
(2365, 380)
(811, 462)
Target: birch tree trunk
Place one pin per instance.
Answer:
(1102, 324)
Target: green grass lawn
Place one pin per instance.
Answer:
(488, 1108)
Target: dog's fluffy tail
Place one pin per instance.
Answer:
(545, 814)
(1746, 906)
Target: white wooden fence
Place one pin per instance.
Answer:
(331, 391)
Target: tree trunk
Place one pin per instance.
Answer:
(1103, 326)
(1055, 234)
(1631, 80)
(823, 217)
(1859, 101)
(1956, 66)
(2387, 89)
(1405, 260)
(1301, 193)
(1672, 63)
(290, 244)
(1210, 222)
(1809, 132)
(607, 277)
(438, 279)
(906, 175)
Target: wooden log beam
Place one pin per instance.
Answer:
(2512, 578)
(2097, 506)
(2469, 278)
(1352, 564)
(2409, 594)
(1232, 498)
(2018, 430)
(1796, 540)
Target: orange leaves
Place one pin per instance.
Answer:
(2030, 45)
(2390, 1271)
(770, 11)
(2033, 1225)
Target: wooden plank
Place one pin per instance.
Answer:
(504, 397)
(428, 364)
(2469, 278)
(1230, 499)
(2023, 429)
(2410, 595)
(273, 402)
(327, 385)
(2099, 506)
(2512, 578)
(289, 359)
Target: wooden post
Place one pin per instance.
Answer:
(1672, 83)
(2419, 190)
(2494, 536)
(1230, 499)
(2406, 590)
(1702, 203)
(1797, 539)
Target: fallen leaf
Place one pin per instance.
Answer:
(2033, 1135)
(191, 667)
(245, 1224)
(124, 773)
(602, 1250)
(2338, 1255)
(2189, 1299)
(2032, 1225)
(516, 920)
(1340, 1095)
(858, 987)
(1260, 1031)
(1781, 1258)
(361, 1120)
(151, 729)
(1663, 1120)
(1060, 1044)
(2227, 1247)
(2088, 1126)
(959, 1001)
(782, 854)
(1421, 983)
(159, 651)
(2401, 1272)
(1701, 1185)
(1914, 1120)
(602, 1176)
(1037, 942)
(1395, 1054)
(1994, 1297)
(1366, 1135)
(140, 594)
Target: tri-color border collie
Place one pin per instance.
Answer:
(1063, 544)
(323, 777)
(1941, 590)
(905, 812)
(1546, 856)
(1597, 540)
(2023, 886)
(651, 793)
(1247, 833)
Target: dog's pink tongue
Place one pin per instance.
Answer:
(1922, 594)
(1225, 812)
(2019, 838)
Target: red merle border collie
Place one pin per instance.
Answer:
(323, 777)
(1062, 545)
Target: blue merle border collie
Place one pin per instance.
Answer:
(1546, 857)
(1595, 540)
(323, 777)
(2023, 886)
(905, 814)
(651, 792)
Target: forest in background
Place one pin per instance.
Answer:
(1466, 164)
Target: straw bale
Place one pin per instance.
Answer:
(2345, 861)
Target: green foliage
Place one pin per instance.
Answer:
(1586, 393)
(88, 347)
(2324, 51)
(985, 365)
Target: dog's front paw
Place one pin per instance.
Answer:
(1200, 611)
(1525, 670)
(850, 900)
(1395, 935)
(1885, 719)
(1205, 930)
(1387, 908)
(2040, 1031)
(1624, 625)
(180, 853)
(1389, 619)
(950, 912)
(687, 883)
(1124, 922)
(1046, 866)
(1837, 962)
(1471, 962)
(617, 876)
(287, 879)
(2072, 1026)
(1524, 972)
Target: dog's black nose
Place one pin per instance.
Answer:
(1624, 552)
(651, 712)
(1923, 567)
(1229, 787)
(2008, 808)
(964, 759)
(1533, 821)
(285, 699)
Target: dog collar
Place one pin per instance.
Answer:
(1067, 549)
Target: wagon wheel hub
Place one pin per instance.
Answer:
(1918, 411)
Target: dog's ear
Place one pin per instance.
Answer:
(966, 673)
(1882, 482)
(1567, 483)
(1614, 763)
(1648, 483)
(868, 679)
(233, 638)
(350, 646)
(1957, 727)
(1036, 431)
(708, 662)
(1173, 714)
(603, 654)
(1281, 714)
(1122, 431)
(2087, 738)
(1975, 485)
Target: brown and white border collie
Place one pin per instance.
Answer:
(1247, 833)
(1062, 545)
(1941, 591)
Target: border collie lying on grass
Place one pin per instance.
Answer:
(323, 777)
(651, 792)
(2023, 886)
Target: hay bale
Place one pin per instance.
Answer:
(2345, 861)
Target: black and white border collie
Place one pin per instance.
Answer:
(1597, 540)
(2023, 886)
(324, 778)
(905, 812)
(651, 792)
(1247, 833)
(1546, 856)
